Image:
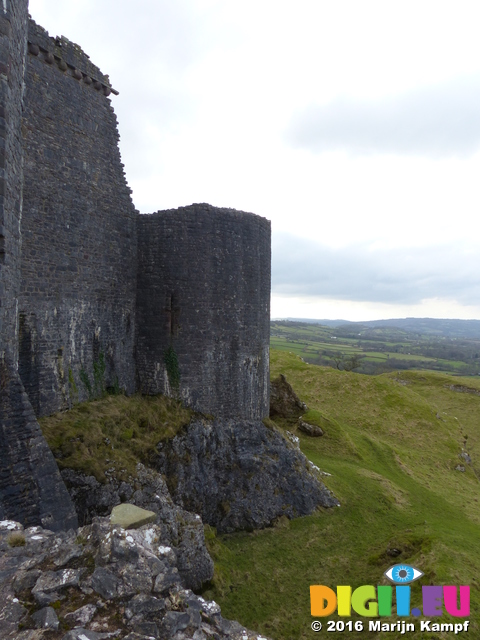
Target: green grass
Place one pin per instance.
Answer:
(391, 443)
(115, 433)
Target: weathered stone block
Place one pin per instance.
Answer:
(128, 516)
(310, 429)
(46, 618)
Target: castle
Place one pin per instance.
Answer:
(94, 294)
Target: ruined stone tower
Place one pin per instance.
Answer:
(93, 294)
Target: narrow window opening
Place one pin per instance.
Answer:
(173, 314)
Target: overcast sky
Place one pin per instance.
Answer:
(354, 126)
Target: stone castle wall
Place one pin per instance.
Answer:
(78, 278)
(13, 25)
(204, 292)
(31, 489)
(93, 294)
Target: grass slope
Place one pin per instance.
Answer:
(109, 436)
(392, 443)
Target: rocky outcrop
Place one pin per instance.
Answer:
(239, 474)
(284, 402)
(98, 582)
(181, 530)
(310, 429)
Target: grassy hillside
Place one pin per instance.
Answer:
(392, 445)
(109, 436)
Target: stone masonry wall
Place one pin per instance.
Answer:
(91, 293)
(204, 297)
(31, 489)
(77, 302)
(13, 26)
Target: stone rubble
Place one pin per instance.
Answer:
(181, 530)
(100, 581)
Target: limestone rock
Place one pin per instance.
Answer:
(81, 616)
(310, 429)
(46, 619)
(165, 580)
(25, 580)
(181, 532)
(131, 568)
(295, 440)
(55, 580)
(239, 474)
(80, 633)
(105, 583)
(128, 516)
(33, 634)
(284, 402)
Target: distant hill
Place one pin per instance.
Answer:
(325, 323)
(425, 326)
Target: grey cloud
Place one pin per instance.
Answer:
(304, 268)
(437, 121)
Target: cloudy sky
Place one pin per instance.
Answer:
(354, 126)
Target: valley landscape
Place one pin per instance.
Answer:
(400, 451)
(403, 452)
(451, 346)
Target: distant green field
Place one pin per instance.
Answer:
(392, 447)
(375, 352)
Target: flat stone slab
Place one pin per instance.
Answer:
(128, 516)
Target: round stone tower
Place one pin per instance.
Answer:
(203, 309)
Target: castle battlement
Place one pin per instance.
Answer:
(68, 57)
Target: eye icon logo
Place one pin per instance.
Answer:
(403, 574)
